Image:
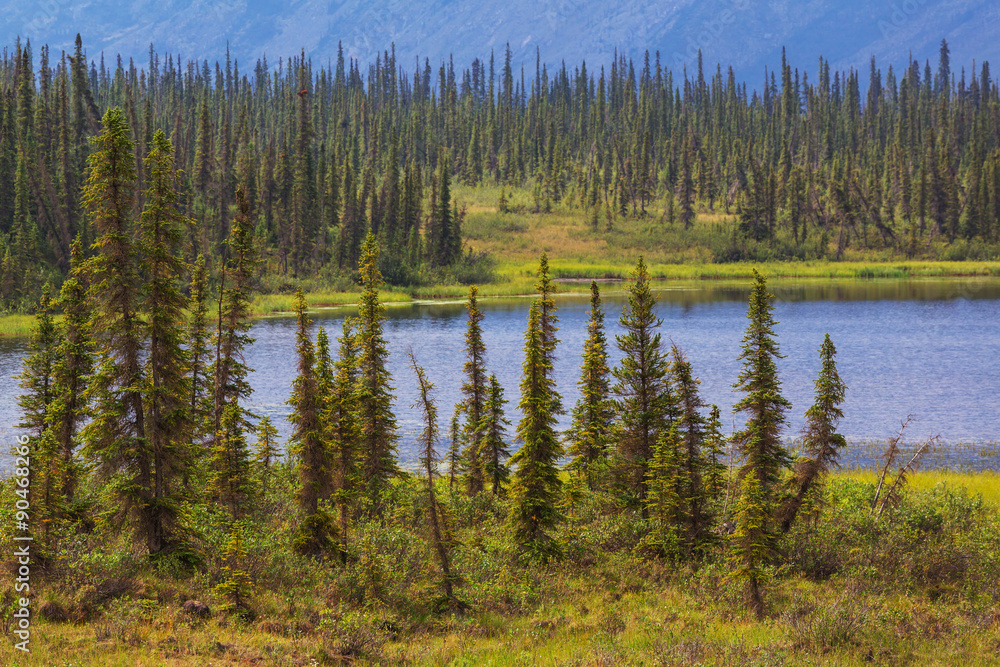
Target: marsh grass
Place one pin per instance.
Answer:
(18, 326)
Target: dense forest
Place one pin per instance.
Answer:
(808, 166)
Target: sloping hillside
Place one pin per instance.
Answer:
(744, 33)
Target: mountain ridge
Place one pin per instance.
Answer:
(747, 35)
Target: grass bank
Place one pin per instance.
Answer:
(516, 278)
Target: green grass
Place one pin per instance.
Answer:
(17, 326)
(272, 304)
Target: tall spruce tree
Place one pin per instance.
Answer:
(37, 379)
(377, 423)
(590, 433)
(116, 437)
(231, 338)
(343, 427)
(166, 392)
(645, 402)
(759, 444)
(691, 433)
(198, 342)
(74, 363)
(308, 443)
(476, 392)
(535, 487)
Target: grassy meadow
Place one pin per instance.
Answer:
(917, 585)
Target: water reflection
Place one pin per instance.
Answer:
(922, 347)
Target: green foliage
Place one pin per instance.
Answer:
(236, 587)
(589, 436)
(750, 543)
(645, 402)
(761, 449)
(476, 394)
(198, 348)
(267, 451)
(664, 503)
(231, 480)
(821, 442)
(429, 460)
(236, 286)
(759, 441)
(493, 445)
(166, 402)
(377, 424)
(698, 155)
(536, 483)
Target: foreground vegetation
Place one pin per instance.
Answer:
(916, 586)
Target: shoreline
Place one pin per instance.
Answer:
(516, 279)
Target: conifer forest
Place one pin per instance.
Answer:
(145, 208)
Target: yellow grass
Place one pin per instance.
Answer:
(985, 484)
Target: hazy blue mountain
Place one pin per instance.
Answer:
(745, 33)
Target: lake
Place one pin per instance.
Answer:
(927, 348)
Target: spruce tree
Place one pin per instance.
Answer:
(665, 500)
(759, 444)
(74, 363)
(377, 423)
(267, 450)
(759, 441)
(690, 427)
(198, 348)
(231, 338)
(308, 444)
(645, 400)
(476, 390)
(45, 472)
(236, 586)
(116, 436)
(535, 487)
(230, 480)
(168, 415)
(547, 321)
(456, 462)
(715, 451)
(820, 440)
(38, 371)
(492, 445)
(590, 433)
(343, 427)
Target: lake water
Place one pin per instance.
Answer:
(927, 348)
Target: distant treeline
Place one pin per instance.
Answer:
(327, 153)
